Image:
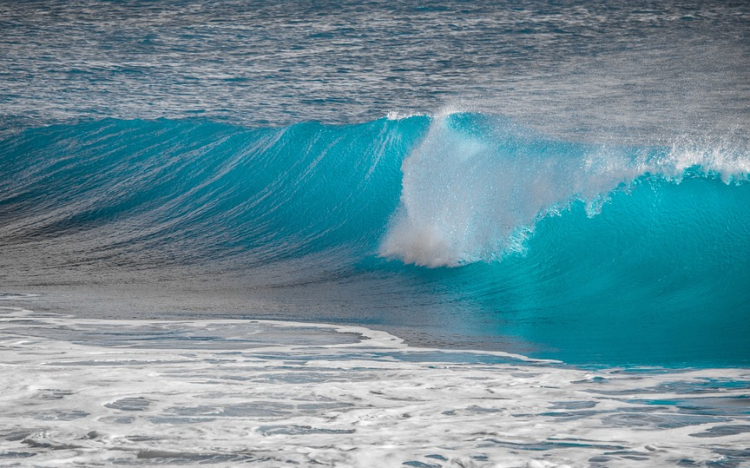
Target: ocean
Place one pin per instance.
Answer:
(355, 234)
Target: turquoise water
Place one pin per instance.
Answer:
(464, 224)
(564, 180)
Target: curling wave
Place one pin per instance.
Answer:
(511, 223)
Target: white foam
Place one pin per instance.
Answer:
(399, 115)
(87, 392)
(475, 195)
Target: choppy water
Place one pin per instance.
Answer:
(632, 69)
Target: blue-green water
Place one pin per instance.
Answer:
(564, 180)
(469, 223)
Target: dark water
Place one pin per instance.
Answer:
(566, 181)
(635, 69)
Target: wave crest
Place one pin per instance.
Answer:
(477, 185)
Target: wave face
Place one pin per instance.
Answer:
(461, 222)
(151, 193)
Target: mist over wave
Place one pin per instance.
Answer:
(476, 185)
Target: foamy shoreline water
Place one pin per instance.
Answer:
(88, 392)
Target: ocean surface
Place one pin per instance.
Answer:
(449, 233)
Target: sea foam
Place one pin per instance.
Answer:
(227, 392)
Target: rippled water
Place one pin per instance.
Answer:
(629, 70)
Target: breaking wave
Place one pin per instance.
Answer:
(502, 216)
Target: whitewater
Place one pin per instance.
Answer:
(456, 234)
(230, 392)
